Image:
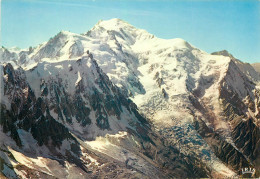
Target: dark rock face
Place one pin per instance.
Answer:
(67, 107)
(247, 138)
(245, 133)
(29, 113)
(244, 128)
(224, 53)
(7, 121)
(223, 150)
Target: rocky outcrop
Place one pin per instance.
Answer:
(256, 67)
(223, 150)
(29, 112)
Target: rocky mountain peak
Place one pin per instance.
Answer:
(224, 53)
(246, 68)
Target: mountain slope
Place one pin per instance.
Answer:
(256, 67)
(67, 115)
(199, 105)
(246, 68)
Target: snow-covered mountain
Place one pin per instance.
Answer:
(50, 113)
(119, 97)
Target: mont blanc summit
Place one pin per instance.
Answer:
(119, 102)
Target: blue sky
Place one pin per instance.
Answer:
(208, 25)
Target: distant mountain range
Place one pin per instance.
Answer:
(118, 102)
